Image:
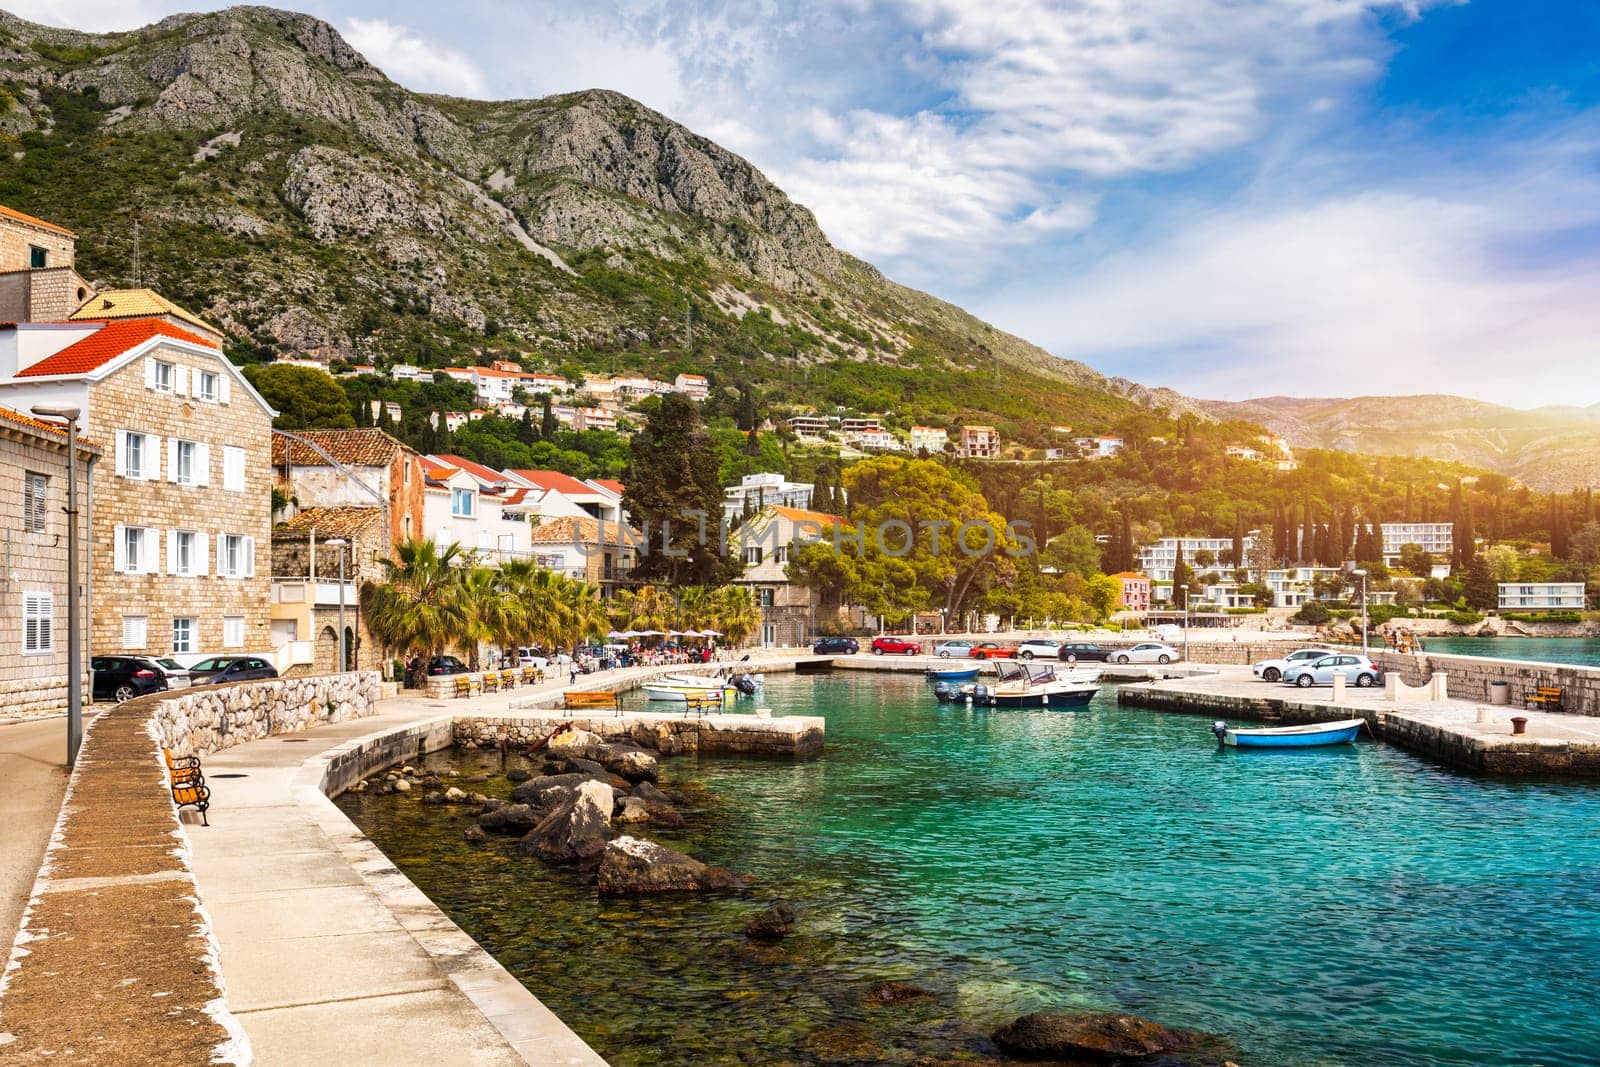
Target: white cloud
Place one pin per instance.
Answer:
(414, 61)
(1382, 292)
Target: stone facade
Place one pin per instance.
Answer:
(305, 573)
(33, 681)
(21, 234)
(198, 722)
(378, 460)
(46, 295)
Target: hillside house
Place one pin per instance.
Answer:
(978, 442)
(38, 282)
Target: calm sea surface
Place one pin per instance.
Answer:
(1582, 650)
(1347, 906)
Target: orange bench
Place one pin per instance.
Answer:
(188, 784)
(591, 700)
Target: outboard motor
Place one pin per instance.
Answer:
(944, 692)
(1220, 728)
(980, 693)
(744, 684)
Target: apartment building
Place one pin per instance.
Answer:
(928, 439)
(1160, 558)
(1135, 591)
(979, 442)
(587, 549)
(1542, 596)
(33, 604)
(693, 386)
(468, 504)
(309, 552)
(756, 491)
(766, 543)
(810, 425)
(1438, 539)
(181, 520)
(364, 468)
(557, 495)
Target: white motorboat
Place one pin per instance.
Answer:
(680, 694)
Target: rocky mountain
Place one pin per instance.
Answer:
(1551, 448)
(257, 168)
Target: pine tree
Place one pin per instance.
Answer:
(547, 420)
(1479, 588)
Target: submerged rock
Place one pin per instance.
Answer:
(897, 993)
(402, 785)
(518, 774)
(510, 819)
(627, 760)
(573, 742)
(774, 924)
(577, 830)
(475, 834)
(632, 865)
(552, 790)
(1094, 1035)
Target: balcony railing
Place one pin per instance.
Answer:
(319, 592)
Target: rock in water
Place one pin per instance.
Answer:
(897, 993)
(634, 865)
(475, 834)
(510, 819)
(774, 924)
(577, 830)
(401, 785)
(552, 790)
(573, 742)
(518, 774)
(1095, 1035)
(627, 760)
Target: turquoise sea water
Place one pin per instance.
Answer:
(1345, 906)
(1581, 650)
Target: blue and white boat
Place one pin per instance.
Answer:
(952, 674)
(1033, 685)
(1310, 735)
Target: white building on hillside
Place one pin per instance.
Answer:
(693, 386)
(757, 491)
(1438, 539)
(1541, 596)
(928, 438)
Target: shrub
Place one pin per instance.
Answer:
(1313, 612)
(1549, 616)
(1463, 618)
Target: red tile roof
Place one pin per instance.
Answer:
(581, 530)
(487, 475)
(436, 470)
(609, 483)
(55, 431)
(12, 213)
(820, 518)
(353, 448)
(561, 483)
(106, 344)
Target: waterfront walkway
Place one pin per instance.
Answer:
(33, 773)
(1448, 730)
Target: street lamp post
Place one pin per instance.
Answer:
(339, 543)
(1361, 572)
(74, 626)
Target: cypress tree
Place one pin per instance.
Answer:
(1124, 561)
(547, 420)
(821, 492)
(1560, 532)
(1182, 576)
(839, 501)
(527, 432)
(1308, 536)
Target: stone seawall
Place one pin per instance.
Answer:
(785, 737)
(206, 719)
(1469, 677)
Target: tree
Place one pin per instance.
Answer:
(1262, 552)
(527, 432)
(1502, 561)
(1585, 546)
(1479, 585)
(674, 495)
(304, 397)
(1073, 551)
(1182, 579)
(547, 419)
(1416, 560)
(417, 607)
(1237, 558)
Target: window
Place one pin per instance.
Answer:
(233, 631)
(236, 556)
(208, 386)
(183, 634)
(135, 550)
(765, 598)
(38, 258)
(33, 501)
(752, 555)
(183, 462)
(781, 554)
(181, 552)
(462, 502)
(134, 449)
(38, 616)
(165, 376)
(135, 631)
(233, 469)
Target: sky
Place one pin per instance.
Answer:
(1232, 198)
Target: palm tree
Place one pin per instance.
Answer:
(650, 608)
(417, 607)
(493, 612)
(736, 613)
(695, 608)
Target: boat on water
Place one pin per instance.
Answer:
(681, 694)
(1310, 735)
(714, 681)
(1030, 685)
(952, 674)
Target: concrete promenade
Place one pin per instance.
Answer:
(1447, 730)
(33, 772)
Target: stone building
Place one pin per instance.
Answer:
(766, 542)
(352, 468)
(589, 550)
(37, 279)
(33, 609)
(180, 509)
(306, 589)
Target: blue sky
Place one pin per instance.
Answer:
(1230, 197)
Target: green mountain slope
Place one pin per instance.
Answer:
(1555, 448)
(285, 188)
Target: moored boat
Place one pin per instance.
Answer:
(1309, 735)
(680, 694)
(952, 674)
(1033, 685)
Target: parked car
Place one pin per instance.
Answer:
(895, 646)
(1271, 670)
(1042, 647)
(836, 646)
(216, 670)
(1147, 652)
(122, 678)
(446, 665)
(177, 674)
(990, 650)
(1082, 650)
(953, 649)
(1360, 670)
(528, 657)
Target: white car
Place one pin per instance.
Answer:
(1271, 670)
(529, 657)
(1147, 652)
(1040, 647)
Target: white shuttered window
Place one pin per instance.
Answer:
(38, 623)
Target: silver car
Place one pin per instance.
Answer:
(1147, 652)
(1357, 669)
(1271, 670)
(953, 649)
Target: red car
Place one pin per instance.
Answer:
(990, 650)
(895, 646)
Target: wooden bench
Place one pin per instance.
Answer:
(188, 784)
(508, 679)
(531, 675)
(463, 685)
(491, 681)
(591, 700)
(1547, 698)
(702, 703)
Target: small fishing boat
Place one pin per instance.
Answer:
(952, 674)
(1032, 685)
(680, 694)
(716, 681)
(1310, 735)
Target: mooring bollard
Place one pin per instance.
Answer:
(1485, 715)
(1519, 724)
